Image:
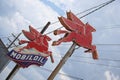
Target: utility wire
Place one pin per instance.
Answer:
(82, 12)
(117, 67)
(100, 64)
(96, 8)
(100, 59)
(70, 76)
(100, 6)
(104, 4)
(105, 28)
(90, 9)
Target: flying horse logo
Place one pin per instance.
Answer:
(35, 52)
(77, 32)
(37, 41)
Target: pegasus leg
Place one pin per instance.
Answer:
(23, 42)
(67, 38)
(57, 32)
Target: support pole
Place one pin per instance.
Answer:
(62, 62)
(13, 72)
(45, 27)
(17, 67)
(72, 48)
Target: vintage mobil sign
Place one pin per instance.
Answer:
(77, 32)
(35, 52)
(25, 59)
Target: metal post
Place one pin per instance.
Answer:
(71, 50)
(45, 27)
(13, 72)
(62, 62)
(17, 67)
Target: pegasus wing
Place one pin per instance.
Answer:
(74, 18)
(70, 25)
(28, 35)
(34, 31)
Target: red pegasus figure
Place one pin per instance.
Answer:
(77, 32)
(36, 41)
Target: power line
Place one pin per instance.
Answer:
(103, 59)
(107, 44)
(104, 4)
(90, 9)
(74, 60)
(8, 36)
(117, 67)
(100, 6)
(70, 76)
(5, 37)
(96, 8)
(77, 78)
(110, 51)
(105, 28)
(100, 59)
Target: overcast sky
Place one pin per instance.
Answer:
(16, 15)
